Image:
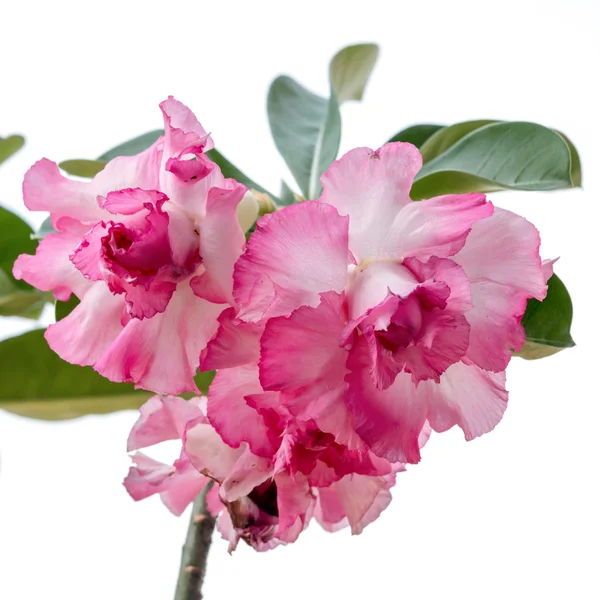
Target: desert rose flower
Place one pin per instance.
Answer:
(148, 247)
(266, 489)
(399, 312)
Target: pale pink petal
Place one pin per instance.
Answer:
(86, 333)
(162, 353)
(183, 487)
(360, 498)
(248, 472)
(390, 420)
(293, 256)
(466, 396)
(50, 269)
(208, 453)
(294, 503)
(371, 187)
(230, 415)
(435, 227)
(129, 201)
(162, 418)
(87, 256)
(45, 189)
(221, 244)
(501, 258)
(182, 128)
(236, 343)
(146, 476)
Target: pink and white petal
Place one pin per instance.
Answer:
(221, 244)
(435, 227)
(207, 452)
(183, 488)
(329, 511)
(371, 187)
(162, 353)
(236, 343)
(248, 472)
(89, 331)
(145, 302)
(505, 249)
(501, 258)
(146, 476)
(45, 189)
(162, 418)
(235, 421)
(50, 268)
(362, 498)
(372, 285)
(293, 256)
(182, 128)
(123, 172)
(295, 503)
(466, 396)
(87, 256)
(495, 321)
(129, 201)
(389, 421)
(447, 271)
(302, 358)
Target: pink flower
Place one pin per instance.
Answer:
(396, 312)
(267, 488)
(148, 247)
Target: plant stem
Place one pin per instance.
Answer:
(195, 550)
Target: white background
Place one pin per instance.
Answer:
(511, 515)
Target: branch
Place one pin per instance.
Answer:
(195, 550)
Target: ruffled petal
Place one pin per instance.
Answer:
(162, 418)
(50, 270)
(236, 343)
(221, 244)
(371, 187)
(466, 396)
(293, 256)
(501, 259)
(162, 353)
(86, 333)
(389, 421)
(228, 412)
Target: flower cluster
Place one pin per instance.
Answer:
(342, 332)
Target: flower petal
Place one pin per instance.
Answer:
(162, 353)
(293, 256)
(221, 244)
(162, 418)
(501, 259)
(371, 187)
(466, 396)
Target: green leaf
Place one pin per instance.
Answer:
(10, 145)
(82, 167)
(447, 136)
(15, 239)
(575, 161)
(548, 323)
(134, 146)
(37, 383)
(350, 69)
(416, 135)
(44, 230)
(17, 302)
(286, 196)
(230, 170)
(306, 129)
(518, 156)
